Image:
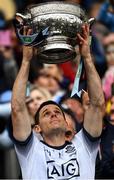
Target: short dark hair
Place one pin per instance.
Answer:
(44, 104)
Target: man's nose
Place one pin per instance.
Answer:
(53, 114)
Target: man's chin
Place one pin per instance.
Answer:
(57, 130)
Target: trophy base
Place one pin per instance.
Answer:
(56, 49)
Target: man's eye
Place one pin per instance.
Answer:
(46, 113)
(57, 112)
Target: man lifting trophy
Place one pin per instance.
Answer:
(57, 28)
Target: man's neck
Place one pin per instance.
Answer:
(55, 139)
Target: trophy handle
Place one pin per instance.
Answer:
(28, 40)
(91, 21)
(21, 20)
(21, 16)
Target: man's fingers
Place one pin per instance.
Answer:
(29, 31)
(25, 30)
(85, 31)
(87, 26)
(81, 39)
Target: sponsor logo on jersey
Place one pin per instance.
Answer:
(65, 171)
(70, 149)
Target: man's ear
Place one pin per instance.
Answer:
(37, 128)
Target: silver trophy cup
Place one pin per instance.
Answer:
(55, 25)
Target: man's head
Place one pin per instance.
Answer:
(50, 119)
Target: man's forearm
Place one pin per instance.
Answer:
(94, 83)
(94, 113)
(19, 89)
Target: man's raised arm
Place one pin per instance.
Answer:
(20, 116)
(94, 114)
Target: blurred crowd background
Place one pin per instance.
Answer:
(56, 81)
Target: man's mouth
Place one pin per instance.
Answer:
(54, 121)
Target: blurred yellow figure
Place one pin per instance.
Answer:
(108, 106)
(8, 8)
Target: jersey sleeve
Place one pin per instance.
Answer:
(24, 149)
(87, 141)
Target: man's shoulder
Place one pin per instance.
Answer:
(30, 142)
(78, 138)
(84, 140)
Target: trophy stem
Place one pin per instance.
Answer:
(57, 49)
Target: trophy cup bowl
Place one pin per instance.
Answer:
(64, 20)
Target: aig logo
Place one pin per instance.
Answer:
(68, 170)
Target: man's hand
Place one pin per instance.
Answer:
(20, 116)
(83, 40)
(28, 51)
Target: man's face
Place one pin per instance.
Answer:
(51, 119)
